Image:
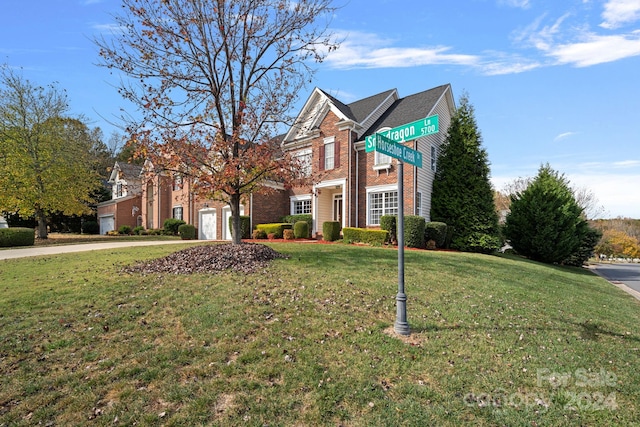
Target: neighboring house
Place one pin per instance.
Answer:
(356, 188)
(171, 196)
(3, 222)
(124, 208)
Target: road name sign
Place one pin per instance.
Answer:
(405, 133)
(398, 151)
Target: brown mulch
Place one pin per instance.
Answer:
(243, 258)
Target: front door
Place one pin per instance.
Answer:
(337, 208)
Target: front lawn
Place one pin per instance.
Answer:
(307, 342)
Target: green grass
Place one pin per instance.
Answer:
(306, 342)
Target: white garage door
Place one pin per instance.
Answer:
(107, 223)
(208, 224)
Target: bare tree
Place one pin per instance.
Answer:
(213, 80)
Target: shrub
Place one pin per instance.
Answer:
(187, 231)
(301, 230)
(292, 219)
(171, 225)
(245, 226)
(139, 230)
(585, 251)
(388, 223)
(331, 231)
(288, 234)
(124, 229)
(259, 234)
(414, 231)
(90, 227)
(18, 236)
(545, 222)
(276, 229)
(363, 235)
(436, 231)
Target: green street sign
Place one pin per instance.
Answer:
(405, 133)
(398, 151)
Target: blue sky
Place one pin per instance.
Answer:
(551, 81)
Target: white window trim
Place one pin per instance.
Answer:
(300, 198)
(305, 153)
(328, 141)
(434, 158)
(377, 189)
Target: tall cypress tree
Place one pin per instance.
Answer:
(546, 223)
(462, 193)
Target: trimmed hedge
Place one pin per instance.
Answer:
(277, 229)
(301, 230)
(17, 236)
(364, 235)
(436, 231)
(292, 219)
(388, 223)
(187, 231)
(331, 231)
(124, 229)
(171, 225)
(90, 227)
(414, 231)
(245, 226)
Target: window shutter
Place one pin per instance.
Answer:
(321, 160)
(336, 154)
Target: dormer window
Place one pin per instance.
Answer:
(119, 190)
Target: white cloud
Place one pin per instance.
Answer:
(564, 136)
(523, 4)
(367, 50)
(619, 12)
(597, 49)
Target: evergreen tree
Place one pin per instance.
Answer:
(546, 223)
(462, 194)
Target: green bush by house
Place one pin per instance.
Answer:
(414, 231)
(187, 231)
(18, 236)
(277, 229)
(301, 230)
(364, 235)
(388, 223)
(331, 231)
(436, 231)
(293, 219)
(90, 227)
(245, 226)
(124, 229)
(171, 225)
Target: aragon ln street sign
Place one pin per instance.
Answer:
(404, 133)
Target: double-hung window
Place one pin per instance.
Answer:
(381, 203)
(329, 155)
(177, 212)
(304, 161)
(301, 206)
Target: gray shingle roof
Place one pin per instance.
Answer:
(360, 110)
(130, 170)
(409, 109)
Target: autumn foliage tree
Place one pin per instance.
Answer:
(213, 80)
(47, 162)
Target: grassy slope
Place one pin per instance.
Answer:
(304, 342)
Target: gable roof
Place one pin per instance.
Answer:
(360, 110)
(409, 109)
(128, 171)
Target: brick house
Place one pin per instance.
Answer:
(356, 187)
(124, 208)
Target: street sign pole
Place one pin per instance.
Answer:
(401, 326)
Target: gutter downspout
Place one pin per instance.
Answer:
(357, 184)
(349, 182)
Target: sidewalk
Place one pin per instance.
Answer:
(80, 247)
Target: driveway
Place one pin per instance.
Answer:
(80, 247)
(624, 276)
